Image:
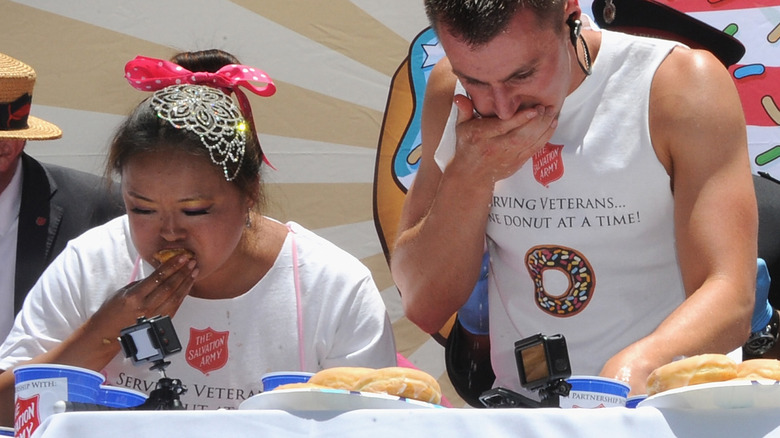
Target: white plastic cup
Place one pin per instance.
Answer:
(39, 387)
(272, 380)
(595, 392)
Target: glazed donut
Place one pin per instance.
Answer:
(759, 369)
(340, 377)
(164, 255)
(402, 382)
(582, 280)
(703, 368)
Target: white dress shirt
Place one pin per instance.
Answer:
(10, 202)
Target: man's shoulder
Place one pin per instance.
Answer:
(71, 175)
(100, 199)
(69, 180)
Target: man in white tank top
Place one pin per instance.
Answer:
(609, 176)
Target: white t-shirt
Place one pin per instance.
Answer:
(581, 238)
(226, 344)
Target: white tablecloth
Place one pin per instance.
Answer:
(407, 423)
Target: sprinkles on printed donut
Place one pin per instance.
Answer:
(580, 276)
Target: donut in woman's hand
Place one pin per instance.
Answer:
(757, 369)
(703, 368)
(340, 377)
(402, 382)
(164, 255)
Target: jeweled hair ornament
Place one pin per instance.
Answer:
(151, 74)
(211, 115)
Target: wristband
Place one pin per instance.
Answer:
(762, 311)
(473, 316)
(765, 324)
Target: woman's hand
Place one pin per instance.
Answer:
(161, 293)
(95, 343)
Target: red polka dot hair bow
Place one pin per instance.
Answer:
(151, 74)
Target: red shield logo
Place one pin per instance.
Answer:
(26, 416)
(207, 350)
(548, 164)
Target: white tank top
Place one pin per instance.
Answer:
(582, 238)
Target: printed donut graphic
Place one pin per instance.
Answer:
(400, 141)
(582, 280)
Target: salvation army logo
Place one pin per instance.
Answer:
(601, 405)
(548, 164)
(26, 416)
(207, 349)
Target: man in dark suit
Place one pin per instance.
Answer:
(42, 206)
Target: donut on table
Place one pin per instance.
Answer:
(300, 385)
(703, 368)
(574, 265)
(340, 377)
(398, 381)
(757, 369)
(402, 382)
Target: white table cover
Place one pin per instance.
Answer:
(406, 423)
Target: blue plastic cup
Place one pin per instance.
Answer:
(631, 402)
(81, 384)
(595, 392)
(117, 397)
(39, 387)
(272, 380)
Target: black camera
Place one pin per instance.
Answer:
(150, 340)
(543, 366)
(542, 360)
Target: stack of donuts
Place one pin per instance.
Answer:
(398, 381)
(708, 368)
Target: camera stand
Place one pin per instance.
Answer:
(552, 392)
(165, 396)
(549, 395)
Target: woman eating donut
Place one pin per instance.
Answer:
(247, 294)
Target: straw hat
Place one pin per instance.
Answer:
(17, 80)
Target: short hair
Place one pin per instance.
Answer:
(477, 22)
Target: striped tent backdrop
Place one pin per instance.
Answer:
(334, 63)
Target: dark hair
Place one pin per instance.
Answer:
(143, 131)
(204, 60)
(477, 22)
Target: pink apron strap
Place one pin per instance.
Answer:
(136, 269)
(298, 301)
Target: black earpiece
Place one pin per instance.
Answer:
(575, 33)
(575, 28)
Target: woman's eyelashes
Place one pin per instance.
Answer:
(198, 212)
(186, 212)
(138, 210)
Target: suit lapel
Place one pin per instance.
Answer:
(36, 225)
